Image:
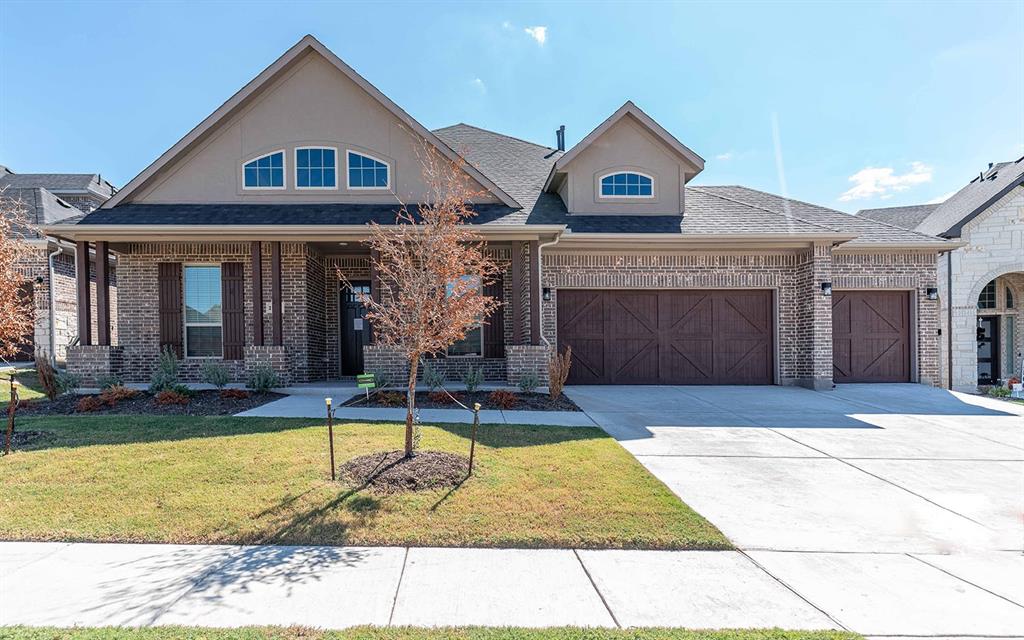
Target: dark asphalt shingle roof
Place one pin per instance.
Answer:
(59, 182)
(521, 168)
(903, 217)
(978, 193)
(42, 206)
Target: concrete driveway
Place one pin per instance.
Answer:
(896, 509)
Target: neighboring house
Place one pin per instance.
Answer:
(50, 271)
(986, 277)
(229, 243)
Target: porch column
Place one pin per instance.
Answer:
(84, 301)
(275, 285)
(535, 292)
(102, 293)
(517, 292)
(820, 318)
(257, 294)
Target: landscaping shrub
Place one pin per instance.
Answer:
(47, 376)
(433, 379)
(473, 378)
(440, 397)
(215, 373)
(112, 380)
(999, 392)
(558, 372)
(381, 380)
(529, 382)
(233, 394)
(166, 374)
(86, 404)
(391, 398)
(67, 382)
(113, 394)
(263, 379)
(169, 396)
(503, 399)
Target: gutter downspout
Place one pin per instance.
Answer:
(540, 283)
(53, 308)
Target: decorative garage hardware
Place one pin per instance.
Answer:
(826, 289)
(933, 293)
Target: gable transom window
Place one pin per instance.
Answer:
(315, 168)
(627, 184)
(987, 298)
(1009, 299)
(203, 318)
(265, 172)
(365, 172)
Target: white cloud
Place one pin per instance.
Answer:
(882, 182)
(479, 85)
(540, 34)
(941, 198)
(724, 156)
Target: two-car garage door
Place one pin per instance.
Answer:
(667, 336)
(721, 336)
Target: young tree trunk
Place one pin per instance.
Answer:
(410, 405)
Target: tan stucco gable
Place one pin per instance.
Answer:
(628, 141)
(308, 97)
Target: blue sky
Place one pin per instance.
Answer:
(876, 104)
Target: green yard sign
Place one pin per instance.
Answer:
(366, 381)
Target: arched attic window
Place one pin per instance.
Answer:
(627, 184)
(265, 172)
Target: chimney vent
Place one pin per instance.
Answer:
(560, 137)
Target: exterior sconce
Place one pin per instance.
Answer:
(547, 294)
(826, 289)
(933, 293)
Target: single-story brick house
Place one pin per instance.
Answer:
(981, 284)
(228, 244)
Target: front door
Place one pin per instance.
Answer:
(355, 331)
(988, 350)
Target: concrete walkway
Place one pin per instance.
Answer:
(68, 584)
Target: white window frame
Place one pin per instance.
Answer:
(348, 175)
(295, 173)
(284, 171)
(185, 324)
(479, 323)
(600, 192)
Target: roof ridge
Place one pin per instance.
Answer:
(755, 206)
(497, 133)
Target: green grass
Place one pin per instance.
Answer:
(266, 480)
(29, 388)
(407, 633)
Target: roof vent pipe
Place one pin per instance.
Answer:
(560, 137)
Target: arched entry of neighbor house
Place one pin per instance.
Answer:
(999, 326)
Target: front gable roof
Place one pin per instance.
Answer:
(629, 109)
(308, 44)
(949, 218)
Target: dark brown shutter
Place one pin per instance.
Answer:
(494, 329)
(232, 280)
(169, 287)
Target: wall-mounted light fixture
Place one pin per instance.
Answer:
(826, 289)
(547, 294)
(933, 293)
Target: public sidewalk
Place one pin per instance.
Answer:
(68, 584)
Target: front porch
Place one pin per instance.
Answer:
(287, 305)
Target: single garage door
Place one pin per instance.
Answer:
(871, 336)
(667, 336)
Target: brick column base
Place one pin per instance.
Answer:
(274, 355)
(522, 359)
(90, 363)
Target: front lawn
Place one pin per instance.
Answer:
(266, 480)
(407, 633)
(29, 388)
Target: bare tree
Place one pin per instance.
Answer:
(16, 309)
(431, 269)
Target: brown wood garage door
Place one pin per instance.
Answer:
(667, 337)
(871, 336)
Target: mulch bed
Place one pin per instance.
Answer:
(392, 472)
(524, 401)
(201, 403)
(22, 437)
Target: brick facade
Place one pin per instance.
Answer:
(311, 287)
